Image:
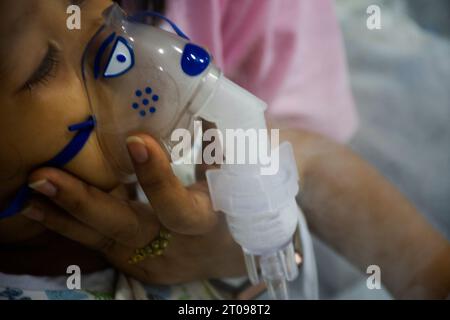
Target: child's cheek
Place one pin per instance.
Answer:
(91, 166)
(72, 106)
(9, 169)
(63, 103)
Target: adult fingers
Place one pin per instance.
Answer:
(101, 211)
(178, 208)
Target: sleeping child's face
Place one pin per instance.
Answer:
(41, 94)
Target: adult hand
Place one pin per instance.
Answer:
(200, 248)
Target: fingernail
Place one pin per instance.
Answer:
(44, 187)
(137, 149)
(33, 214)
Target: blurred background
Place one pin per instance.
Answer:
(400, 77)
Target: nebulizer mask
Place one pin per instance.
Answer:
(141, 78)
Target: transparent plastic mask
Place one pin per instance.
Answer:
(139, 78)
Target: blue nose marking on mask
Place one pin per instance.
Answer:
(84, 130)
(194, 60)
(145, 102)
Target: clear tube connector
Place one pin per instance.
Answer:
(277, 268)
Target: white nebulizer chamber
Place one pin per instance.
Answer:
(141, 78)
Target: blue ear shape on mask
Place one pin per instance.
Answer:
(142, 15)
(195, 60)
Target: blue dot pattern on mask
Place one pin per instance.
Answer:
(145, 102)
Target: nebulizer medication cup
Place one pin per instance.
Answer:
(141, 78)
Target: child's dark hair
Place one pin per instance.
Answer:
(153, 5)
(159, 5)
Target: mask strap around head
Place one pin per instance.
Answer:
(138, 17)
(69, 152)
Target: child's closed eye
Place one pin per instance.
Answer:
(46, 69)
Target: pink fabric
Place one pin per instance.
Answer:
(287, 52)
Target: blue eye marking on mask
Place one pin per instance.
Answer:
(121, 59)
(155, 98)
(152, 110)
(194, 60)
(145, 102)
(69, 152)
(138, 93)
(135, 106)
(142, 113)
(148, 90)
(100, 52)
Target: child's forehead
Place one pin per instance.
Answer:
(21, 10)
(16, 16)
